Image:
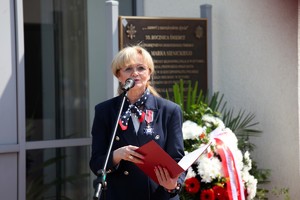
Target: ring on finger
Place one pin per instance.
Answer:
(130, 157)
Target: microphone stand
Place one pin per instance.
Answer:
(99, 183)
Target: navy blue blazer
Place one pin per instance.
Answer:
(127, 181)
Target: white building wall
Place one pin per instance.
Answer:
(8, 102)
(255, 65)
(8, 75)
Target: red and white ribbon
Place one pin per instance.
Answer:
(235, 187)
(149, 116)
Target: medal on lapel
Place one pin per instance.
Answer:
(148, 130)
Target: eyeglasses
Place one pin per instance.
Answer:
(130, 69)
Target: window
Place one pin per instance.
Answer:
(60, 173)
(56, 69)
(56, 83)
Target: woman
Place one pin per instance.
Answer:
(145, 117)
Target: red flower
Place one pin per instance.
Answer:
(207, 195)
(192, 185)
(220, 193)
(202, 135)
(210, 154)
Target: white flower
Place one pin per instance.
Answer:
(191, 130)
(248, 161)
(190, 173)
(210, 120)
(238, 157)
(209, 168)
(220, 123)
(251, 186)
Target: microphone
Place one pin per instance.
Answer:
(129, 83)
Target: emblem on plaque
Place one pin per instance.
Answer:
(131, 31)
(199, 32)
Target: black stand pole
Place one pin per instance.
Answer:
(100, 183)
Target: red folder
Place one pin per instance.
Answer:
(156, 156)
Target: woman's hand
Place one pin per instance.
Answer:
(127, 153)
(164, 178)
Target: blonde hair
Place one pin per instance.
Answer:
(131, 54)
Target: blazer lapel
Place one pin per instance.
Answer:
(128, 135)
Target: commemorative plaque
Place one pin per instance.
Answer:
(178, 47)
